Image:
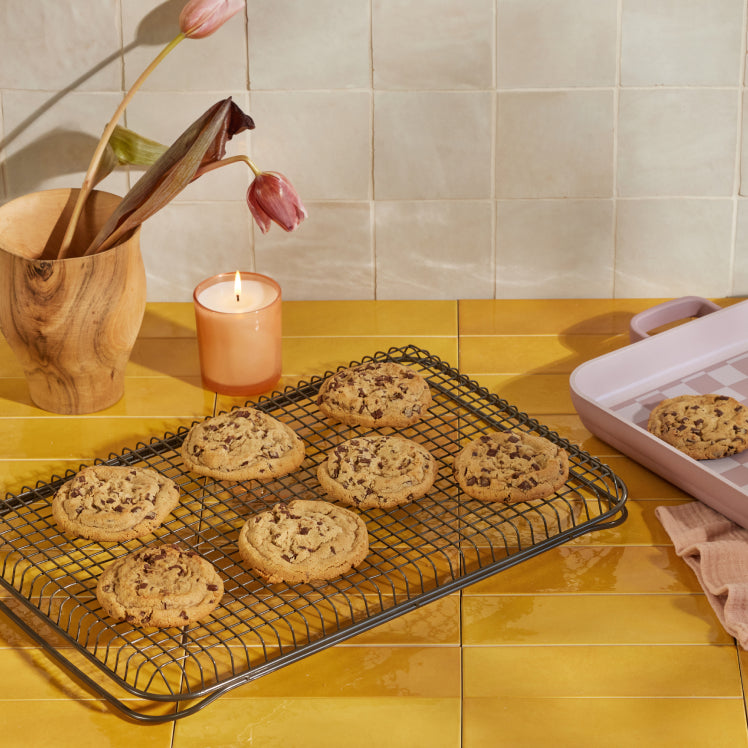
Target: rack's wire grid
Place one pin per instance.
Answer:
(418, 553)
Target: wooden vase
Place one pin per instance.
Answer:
(71, 322)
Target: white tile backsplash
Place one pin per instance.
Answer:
(444, 149)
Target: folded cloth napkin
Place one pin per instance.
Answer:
(717, 551)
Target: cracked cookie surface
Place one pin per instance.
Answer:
(160, 587)
(704, 427)
(243, 444)
(377, 471)
(303, 541)
(511, 466)
(114, 503)
(378, 393)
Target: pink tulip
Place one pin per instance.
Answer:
(201, 18)
(271, 197)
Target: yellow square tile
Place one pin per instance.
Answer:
(369, 318)
(168, 357)
(576, 569)
(601, 671)
(531, 393)
(548, 316)
(640, 528)
(530, 354)
(334, 722)
(168, 320)
(615, 723)
(68, 723)
(590, 619)
(308, 357)
(79, 437)
(364, 672)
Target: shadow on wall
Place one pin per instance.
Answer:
(69, 151)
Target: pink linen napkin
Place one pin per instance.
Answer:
(717, 551)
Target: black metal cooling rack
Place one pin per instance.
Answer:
(418, 553)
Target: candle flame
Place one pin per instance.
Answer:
(237, 285)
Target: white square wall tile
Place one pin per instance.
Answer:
(163, 116)
(432, 145)
(681, 42)
(554, 144)
(295, 44)
(184, 243)
(50, 45)
(52, 147)
(740, 271)
(743, 188)
(214, 63)
(673, 247)
(434, 250)
(439, 44)
(554, 249)
(320, 140)
(677, 142)
(556, 43)
(328, 257)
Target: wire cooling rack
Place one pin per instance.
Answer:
(418, 553)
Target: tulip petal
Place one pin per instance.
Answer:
(200, 18)
(261, 217)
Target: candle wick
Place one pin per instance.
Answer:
(237, 297)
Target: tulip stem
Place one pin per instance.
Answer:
(231, 160)
(88, 180)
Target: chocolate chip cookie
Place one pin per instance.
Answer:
(160, 587)
(114, 503)
(377, 472)
(243, 444)
(511, 466)
(704, 427)
(304, 541)
(378, 393)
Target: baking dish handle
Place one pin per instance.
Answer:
(669, 311)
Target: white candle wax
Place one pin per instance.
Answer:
(221, 297)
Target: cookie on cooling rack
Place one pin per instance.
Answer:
(243, 444)
(511, 466)
(160, 586)
(377, 472)
(303, 541)
(378, 393)
(704, 427)
(114, 503)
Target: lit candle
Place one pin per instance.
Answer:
(238, 320)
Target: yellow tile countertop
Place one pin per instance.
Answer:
(606, 639)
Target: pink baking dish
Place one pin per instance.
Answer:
(614, 393)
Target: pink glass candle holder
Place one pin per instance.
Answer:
(238, 318)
